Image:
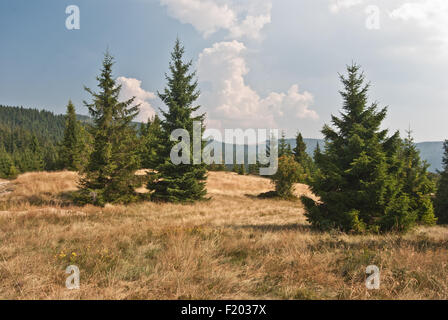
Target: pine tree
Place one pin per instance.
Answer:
(151, 142)
(35, 156)
(441, 200)
(182, 182)
(73, 151)
(317, 153)
(417, 185)
(302, 157)
(7, 167)
(284, 148)
(358, 181)
(110, 173)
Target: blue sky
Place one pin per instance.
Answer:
(261, 63)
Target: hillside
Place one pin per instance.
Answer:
(234, 246)
(19, 124)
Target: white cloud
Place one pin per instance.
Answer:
(242, 18)
(132, 88)
(233, 103)
(428, 14)
(337, 5)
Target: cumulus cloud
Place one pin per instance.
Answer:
(231, 102)
(429, 14)
(131, 87)
(242, 18)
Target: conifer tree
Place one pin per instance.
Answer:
(182, 182)
(110, 173)
(35, 156)
(284, 148)
(73, 151)
(441, 200)
(416, 183)
(7, 167)
(288, 173)
(358, 180)
(151, 142)
(302, 157)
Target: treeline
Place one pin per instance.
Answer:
(28, 140)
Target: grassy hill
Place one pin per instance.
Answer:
(235, 246)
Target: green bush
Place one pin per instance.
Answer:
(288, 173)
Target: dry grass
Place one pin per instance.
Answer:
(234, 246)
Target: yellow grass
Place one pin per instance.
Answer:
(234, 246)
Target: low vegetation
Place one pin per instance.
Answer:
(232, 246)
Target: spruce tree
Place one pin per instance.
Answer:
(7, 167)
(302, 157)
(182, 182)
(441, 200)
(73, 151)
(109, 175)
(284, 148)
(358, 180)
(151, 143)
(416, 183)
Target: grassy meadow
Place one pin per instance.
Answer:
(233, 246)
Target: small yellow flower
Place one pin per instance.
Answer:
(74, 254)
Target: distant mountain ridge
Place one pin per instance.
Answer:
(432, 152)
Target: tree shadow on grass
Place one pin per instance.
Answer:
(274, 227)
(271, 195)
(63, 199)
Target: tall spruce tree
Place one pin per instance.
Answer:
(183, 182)
(441, 200)
(73, 151)
(416, 183)
(358, 180)
(284, 148)
(109, 176)
(7, 167)
(150, 135)
(302, 157)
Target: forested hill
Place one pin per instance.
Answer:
(29, 138)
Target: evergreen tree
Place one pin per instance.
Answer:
(317, 153)
(288, 173)
(358, 180)
(73, 151)
(302, 157)
(441, 200)
(242, 169)
(110, 173)
(7, 167)
(151, 142)
(35, 156)
(284, 148)
(254, 168)
(182, 182)
(417, 185)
